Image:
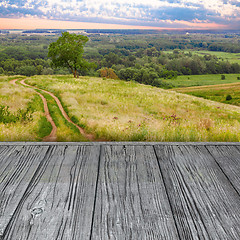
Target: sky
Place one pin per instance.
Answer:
(156, 14)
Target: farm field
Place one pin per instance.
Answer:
(231, 57)
(116, 110)
(203, 80)
(227, 56)
(217, 93)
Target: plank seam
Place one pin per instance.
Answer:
(224, 172)
(164, 184)
(96, 188)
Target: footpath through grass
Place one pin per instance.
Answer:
(65, 131)
(19, 99)
(116, 110)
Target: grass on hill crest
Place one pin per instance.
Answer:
(117, 110)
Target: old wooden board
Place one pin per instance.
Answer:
(205, 204)
(17, 167)
(228, 158)
(131, 199)
(59, 200)
(94, 191)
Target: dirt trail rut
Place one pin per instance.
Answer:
(81, 130)
(52, 137)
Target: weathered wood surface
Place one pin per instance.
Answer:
(17, 167)
(131, 198)
(101, 191)
(58, 203)
(205, 204)
(228, 158)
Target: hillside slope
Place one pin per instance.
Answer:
(116, 110)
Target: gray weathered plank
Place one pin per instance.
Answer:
(17, 167)
(59, 201)
(228, 158)
(204, 203)
(131, 199)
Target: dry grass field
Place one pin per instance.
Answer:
(116, 110)
(18, 97)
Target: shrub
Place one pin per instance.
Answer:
(228, 97)
(238, 78)
(108, 73)
(26, 71)
(223, 77)
(21, 116)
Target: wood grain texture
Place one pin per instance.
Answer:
(131, 199)
(205, 204)
(228, 158)
(17, 167)
(58, 203)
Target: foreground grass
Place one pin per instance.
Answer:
(17, 97)
(203, 80)
(126, 111)
(217, 93)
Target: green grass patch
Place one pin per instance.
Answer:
(203, 80)
(117, 110)
(227, 56)
(225, 93)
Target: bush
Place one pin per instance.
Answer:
(26, 71)
(228, 97)
(108, 73)
(223, 77)
(21, 116)
(238, 78)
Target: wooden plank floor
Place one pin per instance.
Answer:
(119, 191)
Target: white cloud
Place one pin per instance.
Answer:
(150, 11)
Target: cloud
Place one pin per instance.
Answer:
(132, 12)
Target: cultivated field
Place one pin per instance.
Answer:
(217, 93)
(227, 56)
(203, 80)
(116, 110)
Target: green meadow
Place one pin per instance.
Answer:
(117, 110)
(224, 93)
(203, 80)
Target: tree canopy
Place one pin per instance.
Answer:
(67, 51)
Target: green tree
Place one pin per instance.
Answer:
(67, 52)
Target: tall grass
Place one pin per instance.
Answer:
(116, 110)
(21, 101)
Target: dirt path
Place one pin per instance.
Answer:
(52, 137)
(81, 130)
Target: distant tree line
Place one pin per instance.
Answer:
(127, 57)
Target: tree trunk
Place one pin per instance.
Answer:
(75, 73)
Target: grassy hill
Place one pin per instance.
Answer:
(20, 99)
(116, 110)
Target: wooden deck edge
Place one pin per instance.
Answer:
(117, 143)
